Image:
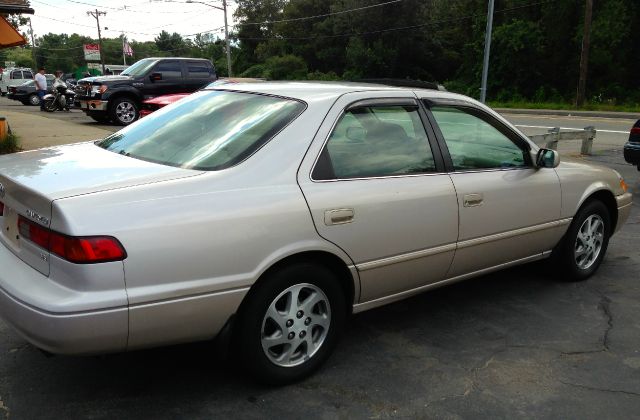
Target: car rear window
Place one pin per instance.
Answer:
(208, 130)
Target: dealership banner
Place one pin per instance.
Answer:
(91, 52)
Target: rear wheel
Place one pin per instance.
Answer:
(33, 100)
(50, 105)
(586, 241)
(124, 111)
(290, 323)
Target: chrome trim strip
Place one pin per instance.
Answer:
(187, 297)
(370, 265)
(364, 306)
(406, 257)
(512, 233)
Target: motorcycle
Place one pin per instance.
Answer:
(61, 98)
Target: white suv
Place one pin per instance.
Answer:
(14, 77)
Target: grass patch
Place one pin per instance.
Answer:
(566, 106)
(10, 145)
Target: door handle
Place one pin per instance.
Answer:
(473, 200)
(338, 216)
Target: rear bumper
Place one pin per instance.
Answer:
(632, 153)
(80, 332)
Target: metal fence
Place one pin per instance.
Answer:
(550, 140)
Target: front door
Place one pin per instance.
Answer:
(509, 210)
(377, 189)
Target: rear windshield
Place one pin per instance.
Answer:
(208, 130)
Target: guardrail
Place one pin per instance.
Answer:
(550, 140)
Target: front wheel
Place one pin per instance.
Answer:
(124, 111)
(290, 323)
(586, 241)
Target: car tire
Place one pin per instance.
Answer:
(124, 111)
(50, 105)
(279, 342)
(584, 245)
(33, 100)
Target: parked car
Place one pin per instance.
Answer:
(272, 211)
(26, 92)
(14, 77)
(632, 147)
(119, 98)
(154, 104)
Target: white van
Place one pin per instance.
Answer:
(14, 77)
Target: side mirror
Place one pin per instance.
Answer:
(547, 158)
(356, 133)
(155, 77)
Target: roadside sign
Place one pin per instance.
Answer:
(8, 64)
(91, 52)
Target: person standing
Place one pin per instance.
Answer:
(41, 86)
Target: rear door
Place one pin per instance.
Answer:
(199, 74)
(509, 210)
(376, 187)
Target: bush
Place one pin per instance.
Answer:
(286, 67)
(318, 75)
(257, 71)
(9, 145)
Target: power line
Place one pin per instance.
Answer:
(399, 28)
(266, 22)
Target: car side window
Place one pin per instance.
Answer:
(375, 141)
(27, 75)
(16, 74)
(197, 69)
(474, 143)
(170, 70)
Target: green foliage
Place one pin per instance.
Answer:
(286, 67)
(10, 144)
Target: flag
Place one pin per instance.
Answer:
(126, 48)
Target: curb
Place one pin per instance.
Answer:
(570, 113)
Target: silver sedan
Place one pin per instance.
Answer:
(274, 210)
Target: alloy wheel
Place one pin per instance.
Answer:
(589, 241)
(295, 325)
(126, 112)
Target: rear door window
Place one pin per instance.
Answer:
(376, 141)
(16, 74)
(170, 70)
(27, 75)
(198, 70)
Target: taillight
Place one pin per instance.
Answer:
(78, 250)
(635, 131)
(1, 208)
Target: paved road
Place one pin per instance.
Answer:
(516, 344)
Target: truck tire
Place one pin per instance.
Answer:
(124, 111)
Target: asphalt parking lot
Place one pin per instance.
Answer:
(515, 344)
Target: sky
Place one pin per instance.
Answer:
(140, 20)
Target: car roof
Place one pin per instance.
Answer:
(311, 90)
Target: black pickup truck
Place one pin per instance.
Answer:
(118, 98)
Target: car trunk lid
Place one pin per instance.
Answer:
(31, 181)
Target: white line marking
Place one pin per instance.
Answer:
(571, 128)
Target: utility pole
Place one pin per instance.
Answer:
(487, 52)
(33, 46)
(96, 14)
(584, 55)
(226, 28)
(226, 37)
